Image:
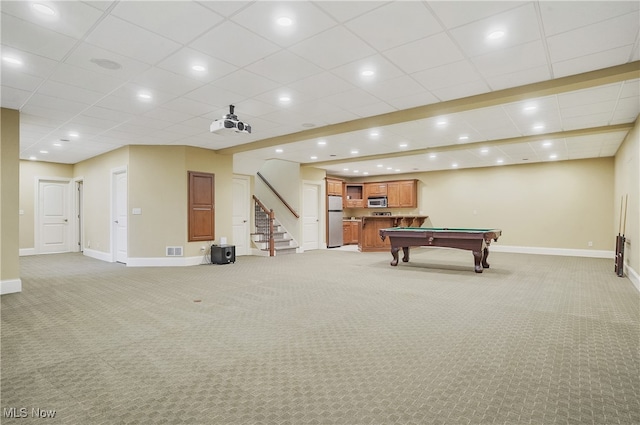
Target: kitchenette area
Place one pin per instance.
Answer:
(368, 207)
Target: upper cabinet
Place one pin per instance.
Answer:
(402, 194)
(375, 189)
(334, 187)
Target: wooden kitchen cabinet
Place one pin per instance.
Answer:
(354, 195)
(402, 194)
(350, 232)
(375, 189)
(334, 187)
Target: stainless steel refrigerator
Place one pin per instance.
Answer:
(335, 221)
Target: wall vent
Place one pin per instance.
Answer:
(174, 251)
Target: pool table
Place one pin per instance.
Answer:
(475, 240)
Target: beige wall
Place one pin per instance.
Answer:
(96, 174)
(30, 172)
(627, 183)
(552, 204)
(9, 187)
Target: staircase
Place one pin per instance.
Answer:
(283, 243)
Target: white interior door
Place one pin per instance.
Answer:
(53, 216)
(120, 220)
(310, 216)
(241, 211)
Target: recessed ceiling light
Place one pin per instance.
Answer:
(284, 98)
(44, 151)
(367, 73)
(284, 21)
(198, 68)
(374, 133)
(397, 170)
(454, 165)
(389, 168)
(495, 35)
(11, 60)
(32, 158)
(547, 144)
(314, 157)
(366, 173)
(538, 127)
(432, 156)
(484, 150)
(553, 156)
(322, 142)
(463, 138)
(404, 145)
(73, 134)
(354, 152)
(43, 9)
(345, 169)
(279, 150)
(379, 165)
(144, 96)
(500, 161)
(57, 144)
(356, 171)
(530, 108)
(441, 123)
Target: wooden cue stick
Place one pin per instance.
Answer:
(624, 222)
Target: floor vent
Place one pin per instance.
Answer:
(174, 251)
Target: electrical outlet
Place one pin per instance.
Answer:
(203, 248)
(590, 243)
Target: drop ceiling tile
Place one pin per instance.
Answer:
(395, 88)
(610, 34)
(511, 59)
(73, 18)
(217, 97)
(321, 85)
(343, 11)
(191, 106)
(382, 68)
(260, 18)
(412, 21)
(425, 53)
(592, 61)
(413, 100)
(64, 91)
(87, 57)
(14, 79)
(50, 113)
(13, 98)
(31, 38)
(321, 49)
(181, 62)
(221, 40)
(559, 16)
(520, 26)
(461, 90)
(284, 67)
(178, 21)
(589, 96)
(32, 65)
(116, 34)
(448, 75)
(351, 99)
(520, 78)
(586, 121)
(246, 83)
(156, 79)
(457, 13)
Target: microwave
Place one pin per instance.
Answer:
(377, 202)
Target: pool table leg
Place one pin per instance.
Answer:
(405, 254)
(394, 253)
(480, 259)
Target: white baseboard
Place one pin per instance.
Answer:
(27, 251)
(553, 251)
(633, 277)
(10, 286)
(164, 261)
(98, 255)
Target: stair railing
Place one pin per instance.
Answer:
(275, 192)
(271, 218)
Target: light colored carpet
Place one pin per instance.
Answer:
(324, 337)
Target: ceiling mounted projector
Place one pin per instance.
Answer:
(230, 122)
